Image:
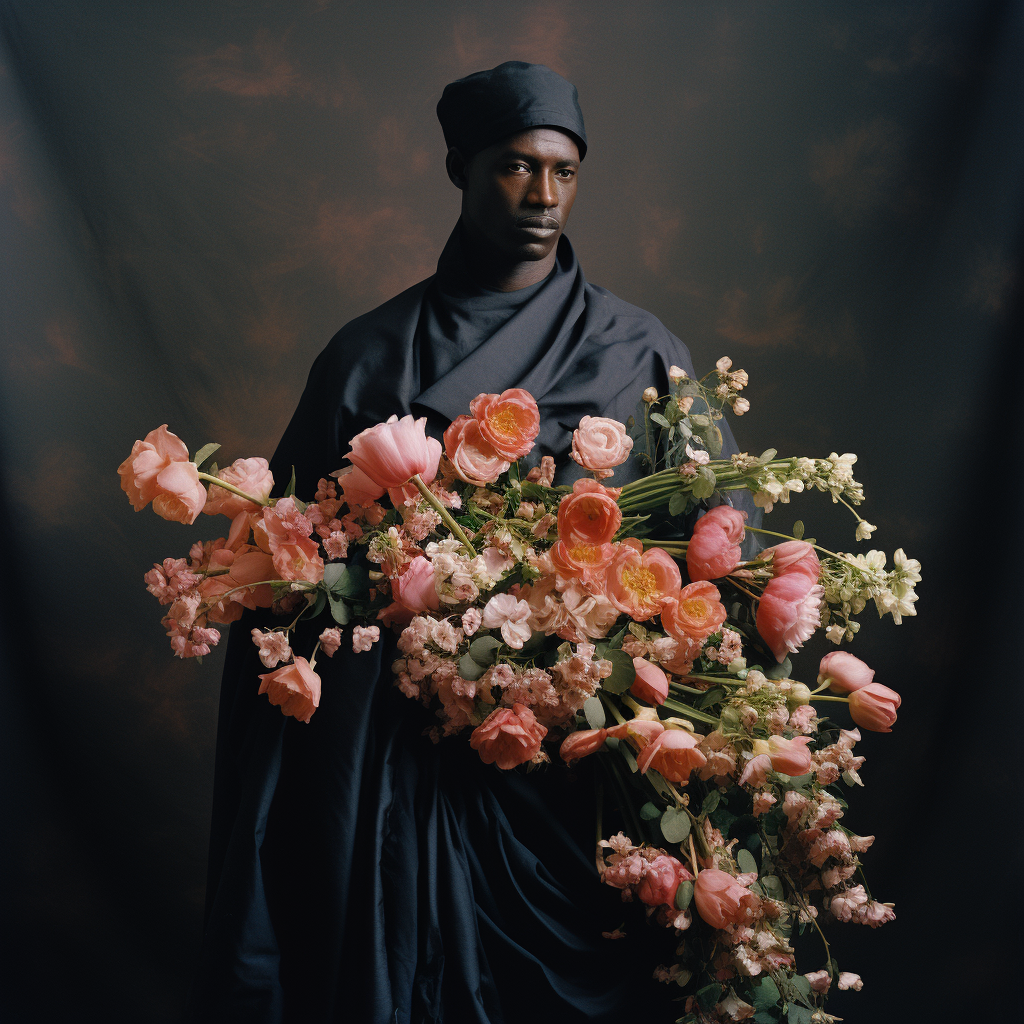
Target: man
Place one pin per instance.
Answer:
(359, 872)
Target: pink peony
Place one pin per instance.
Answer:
(873, 706)
(694, 613)
(789, 612)
(794, 556)
(414, 588)
(509, 422)
(721, 900)
(391, 453)
(511, 616)
(844, 672)
(579, 744)
(472, 456)
(295, 688)
(640, 583)
(660, 881)
(651, 683)
(508, 736)
(674, 753)
(714, 548)
(589, 515)
(330, 641)
(159, 471)
(250, 475)
(600, 444)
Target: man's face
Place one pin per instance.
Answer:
(517, 194)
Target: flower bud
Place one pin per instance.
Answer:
(676, 374)
(650, 395)
(799, 693)
(724, 364)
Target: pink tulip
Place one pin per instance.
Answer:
(472, 456)
(721, 900)
(250, 475)
(873, 706)
(357, 488)
(579, 744)
(714, 548)
(651, 683)
(640, 732)
(414, 588)
(159, 471)
(674, 754)
(794, 556)
(660, 881)
(790, 757)
(410, 492)
(391, 453)
(295, 688)
(508, 736)
(845, 672)
(789, 612)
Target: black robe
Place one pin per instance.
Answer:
(358, 871)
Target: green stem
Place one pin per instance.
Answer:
(234, 489)
(690, 712)
(817, 547)
(841, 700)
(610, 704)
(443, 513)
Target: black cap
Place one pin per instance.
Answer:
(482, 108)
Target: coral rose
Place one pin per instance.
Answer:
(873, 707)
(638, 582)
(721, 900)
(472, 456)
(789, 612)
(414, 588)
(582, 742)
(794, 556)
(844, 672)
(695, 613)
(651, 684)
(392, 453)
(791, 757)
(295, 688)
(714, 548)
(508, 736)
(590, 515)
(661, 880)
(600, 444)
(674, 753)
(509, 422)
(159, 471)
(250, 475)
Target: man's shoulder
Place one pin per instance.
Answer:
(641, 321)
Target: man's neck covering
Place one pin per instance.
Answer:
(483, 108)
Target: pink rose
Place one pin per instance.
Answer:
(599, 444)
(790, 757)
(508, 736)
(714, 548)
(789, 612)
(472, 456)
(844, 672)
(660, 881)
(414, 588)
(579, 744)
(250, 475)
(721, 900)
(794, 556)
(391, 453)
(295, 687)
(673, 753)
(159, 471)
(873, 706)
(651, 683)
(509, 422)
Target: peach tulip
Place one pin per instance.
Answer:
(295, 688)
(509, 422)
(159, 471)
(250, 475)
(582, 742)
(873, 706)
(660, 881)
(472, 456)
(790, 757)
(789, 612)
(694, 613)
(589, 515)
(674, 753)
(639, 732)
(414, 588)
(508, 736)
(721, 900)
(600, 444)
(639, 583)
(651, 683)
(391, 453)
(714, 548)
(794, 556)
(844, 672)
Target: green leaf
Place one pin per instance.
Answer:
(684, 894)
(798, 529)
(675, 824)
(339, 610)
(797, 781)
(745, 861)
(799, 1014)
(712, 696)
(677, 503)
(772, 885)
(317, 606)
(802, 985)
(780, 670)
(766, 994)
(649, 811)
(333, 572)
(709, 995)
(289, 491)
(594, 710)
(700, 420)
(765, 1017)
(485, 650)
(627, 756)
(656, 417)
(623, 673)
(353, 583)
(204, 453)
(704, 483)
(470, 668)
(767, 456)
(710, 802)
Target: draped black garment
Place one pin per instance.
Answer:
(359, 872)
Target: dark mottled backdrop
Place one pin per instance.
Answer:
(195, 196)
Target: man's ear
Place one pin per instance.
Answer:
(456, 168)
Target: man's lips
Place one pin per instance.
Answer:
(539, 223)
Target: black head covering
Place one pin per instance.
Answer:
(478, 110)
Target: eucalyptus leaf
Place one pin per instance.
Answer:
(627, 756)
(780, 670)
(798, 529)
(333, 572)
(799, 1014)
(594, 710)
(712, 696)
(767, 456)
(485, 650)
(470, 668)
(684, 894)
(623, 674)
(339, 610)
(766, 994)
(802, 985)
(709, 995)
(704, 483)
(204, 453)
(677, 503)
(656, 417)
(745, 861)
(650, 811)
(353, 583)
(711, 801)
(317, 606)
(675, 824)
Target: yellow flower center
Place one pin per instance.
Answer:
(586, 553)
(694, 608)
(641, 581)
(504, 421)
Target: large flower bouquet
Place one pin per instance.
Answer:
(555, 623)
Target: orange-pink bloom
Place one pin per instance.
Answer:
(357, 488)
(794, 556)
(873, 707)
(674, 753)
(581, 561)
(508, 736)
(600, 444)
(651, 683)
(472, 456)
(589, 515)
(721, 900)
(250, 475)
(246, 567)
(582, 742)
(714, 548)
(509, 422)
(159, 471)
(791, 757)
(844, 672)
(660, 881)
(640, 583)
(695, 612)
(295, 688)
(391, 453)
(789, 612)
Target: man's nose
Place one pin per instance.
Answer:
(543, 191)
